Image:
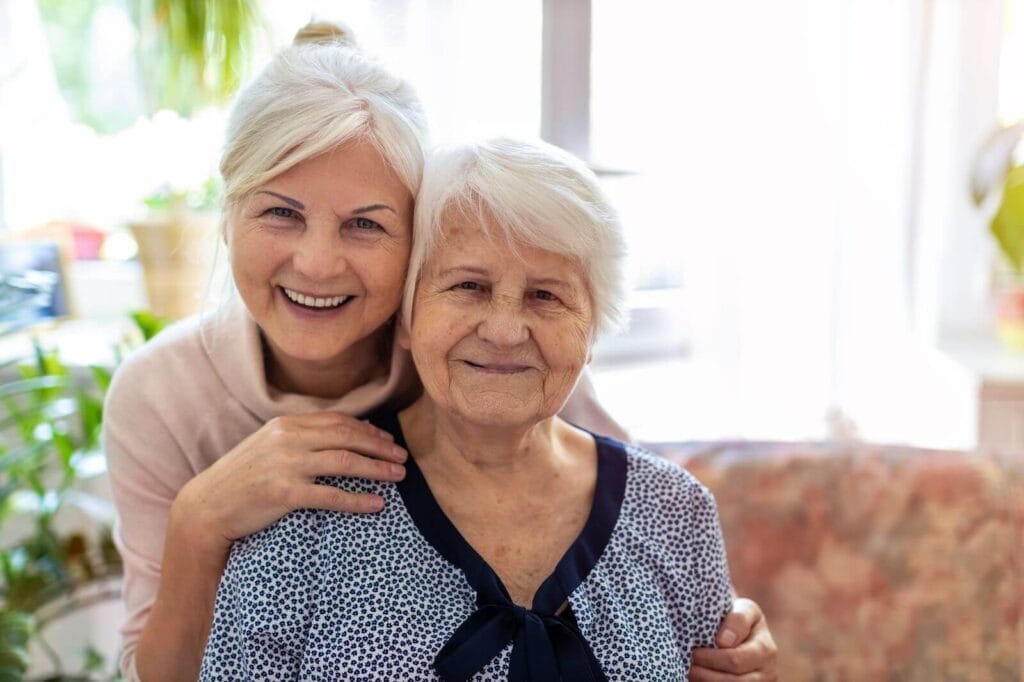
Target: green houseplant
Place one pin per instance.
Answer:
(998, 177)
(194, 52)
(188, 54)
(50, 421)
(191, 53)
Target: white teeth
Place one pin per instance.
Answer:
(313, 302)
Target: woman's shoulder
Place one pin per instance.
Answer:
(179, 343)
(658, 490)
(170, 367)
(305, 529)
(650, 473)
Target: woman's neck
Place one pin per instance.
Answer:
(463, 452)
(331, 378)
(520, 499)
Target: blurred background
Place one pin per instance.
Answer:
(823, 199)
(794, 178)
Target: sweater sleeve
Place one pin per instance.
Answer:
(147, 467)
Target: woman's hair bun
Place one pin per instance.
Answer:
(319, 31)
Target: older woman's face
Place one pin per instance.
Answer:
(319, 254)
(499, 339)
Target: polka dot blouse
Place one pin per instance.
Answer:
(400, 595)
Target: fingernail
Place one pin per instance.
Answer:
(399, 452)
(376, 504)
(727, 638)
(396, 470)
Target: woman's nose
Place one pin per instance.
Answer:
(504, 324)
(319, 254)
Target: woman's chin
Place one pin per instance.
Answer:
(314, 351)
(322, 344)
(503, 417)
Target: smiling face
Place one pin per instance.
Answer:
(319, 255)
(499, 339)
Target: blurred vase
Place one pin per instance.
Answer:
(176, 250)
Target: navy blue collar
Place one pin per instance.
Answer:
(546, 646)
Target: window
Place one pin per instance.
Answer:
(797, 184)
(723, 126)
(1011, 64)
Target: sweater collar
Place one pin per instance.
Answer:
(231, 340)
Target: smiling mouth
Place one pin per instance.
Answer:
(498, 367)
(314, 302)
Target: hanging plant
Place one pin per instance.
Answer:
(188, 54)
(193, 52)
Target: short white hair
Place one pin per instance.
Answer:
(317, 94)
(537, 195)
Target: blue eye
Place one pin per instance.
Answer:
(365, 224)
(282, 212)
(545, 295)
(468, 286)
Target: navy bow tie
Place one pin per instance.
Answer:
(544, 647)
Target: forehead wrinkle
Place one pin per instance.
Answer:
(441, 264)
(470, 269)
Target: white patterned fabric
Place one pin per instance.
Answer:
(329, 596)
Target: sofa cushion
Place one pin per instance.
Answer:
(871, 562)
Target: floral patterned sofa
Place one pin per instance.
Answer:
(875, 563)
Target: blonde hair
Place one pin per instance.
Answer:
(526, 193)
(317, 94)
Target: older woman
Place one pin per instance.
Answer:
(518, 546)
(223, 423)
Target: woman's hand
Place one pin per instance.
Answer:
(746, 649)
(272, 472)
(264, 477)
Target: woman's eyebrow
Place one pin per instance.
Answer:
(294, 203)
(374, 207)
(464, 269)
(549, 282)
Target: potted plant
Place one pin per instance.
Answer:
(176, 243)
(999, 172)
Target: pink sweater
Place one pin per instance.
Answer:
(188, 397)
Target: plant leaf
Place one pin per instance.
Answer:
(101, 375)
(1008, 223)
(15, 629)
(149, 324)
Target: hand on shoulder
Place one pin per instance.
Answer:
(273, 472)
